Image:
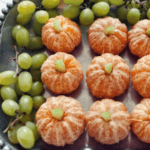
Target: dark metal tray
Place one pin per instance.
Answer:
(84, 54)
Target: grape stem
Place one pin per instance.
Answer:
(12, 123)
(16, 59)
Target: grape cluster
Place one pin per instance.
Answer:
(127, 10)
(28, 88)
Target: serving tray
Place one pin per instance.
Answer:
(84, 54)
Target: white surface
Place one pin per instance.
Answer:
(3, 4)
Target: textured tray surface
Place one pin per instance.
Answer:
(84, 54)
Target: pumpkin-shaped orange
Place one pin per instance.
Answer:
(108, 76)
(108, 121)
(65, 130)
(140, 120)
(62, 73)
(60, 34)
(107, 35)
(141, 76)
(139, 38)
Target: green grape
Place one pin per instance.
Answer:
(53, 13)
(41, 16)
(33, 127)
(38, 101)
(22, 38)
(35, 43)
(26, 7)
(37, 28)
(17, 89)
(24, 61)
(101, 9)
(25, 81)
(86, 17)
(133, 15)
(71, 11)
(12, 134)
(37, 88)
(142, 15)
(117, 2)
(49, 4)
(23, 19)
(73, 2)
(15, 29)
(36, 75)
(26, 104)
(25, 137)
(7, 77)
(134, 4)
(26, 118)
(33, 115)
(122, 13)
(10, 107)
(38, 60)
(148, 13)
(7, 92)
(107, 1)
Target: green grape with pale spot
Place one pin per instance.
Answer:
(134, 4)
(71, 11)
(53, 13)
(7, 92)
(86, 17)
(15, 29)
(133, 15)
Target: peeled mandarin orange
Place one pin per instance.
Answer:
(141, 76)
(107, 35)
(140, 120)
(108, 76)
(61, 82)
(62, 35)
(66, 130)
(108, 131)
(139, 39)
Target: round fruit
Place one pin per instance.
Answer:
(86, 17)
(49, 4)
(73, 2)
(117, 2)
(24, 61)
(101, 9)
(41, 16)
(133, 15)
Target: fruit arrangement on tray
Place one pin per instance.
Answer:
(61, 120)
